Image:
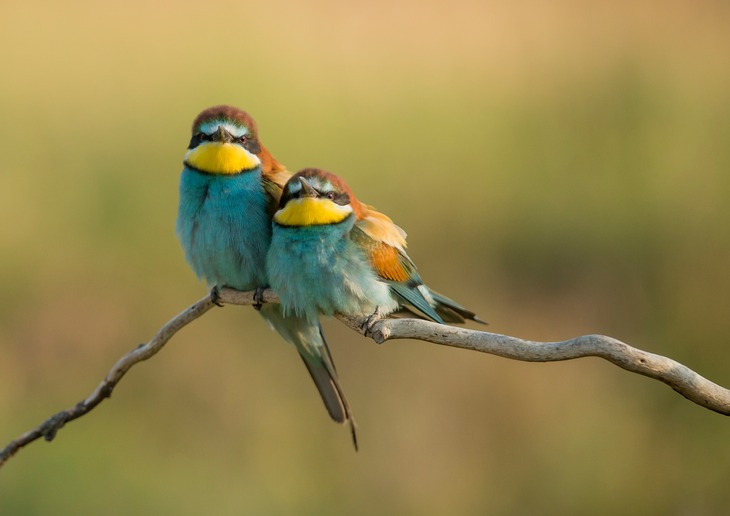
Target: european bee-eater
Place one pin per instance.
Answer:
(229, 189)
(330, 253)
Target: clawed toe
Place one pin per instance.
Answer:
(215, 296)
(258, 298)
(367, 326)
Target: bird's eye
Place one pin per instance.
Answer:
(243, 139)
(204, 137)
(330, 195)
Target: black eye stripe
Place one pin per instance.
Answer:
(342, 199)
(338, 198)
(195, 141)
(324, 188)
(251, 144)
(286, 196)
(199, 138)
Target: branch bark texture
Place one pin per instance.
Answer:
(679, 377)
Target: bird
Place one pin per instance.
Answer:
(331, 253)
(230, 187)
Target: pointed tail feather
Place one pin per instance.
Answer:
(412, 299)
(328, 390)
(324, 375)
(451, 311)
(307, 337)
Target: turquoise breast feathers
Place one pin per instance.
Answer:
(325, 271)
(224, 227)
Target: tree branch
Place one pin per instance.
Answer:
(679, 377)
(53, 424)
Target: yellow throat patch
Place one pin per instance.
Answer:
(311, 212)
(221, 158)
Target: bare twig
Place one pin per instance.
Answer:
(679, 377)
(53, 424)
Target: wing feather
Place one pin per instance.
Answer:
(389, 263)
(384, 243)
(273, 178)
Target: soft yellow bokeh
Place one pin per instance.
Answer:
(561, 167)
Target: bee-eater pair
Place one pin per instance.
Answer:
(245, 223)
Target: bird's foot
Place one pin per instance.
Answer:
(258, 298)
(367, 326)
(215, 296)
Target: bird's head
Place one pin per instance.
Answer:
(313, 197)
(225, 141)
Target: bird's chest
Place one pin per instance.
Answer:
(319, 269)
(224, 228)
(312, 251)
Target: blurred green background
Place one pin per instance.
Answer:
(562, 168)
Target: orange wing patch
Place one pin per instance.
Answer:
(380, 228)
(387, 243)
(387, 262)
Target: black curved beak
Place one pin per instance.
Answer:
(307, 189)
(223, 136)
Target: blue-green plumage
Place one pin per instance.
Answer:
(324, 259)
(224, 226)
(320, 270)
